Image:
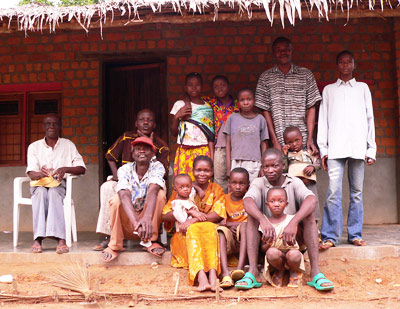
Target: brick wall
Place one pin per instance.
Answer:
(239, 50)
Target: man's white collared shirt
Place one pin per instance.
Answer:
(346, 121)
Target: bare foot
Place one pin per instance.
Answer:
(212, 275)
(204, 284)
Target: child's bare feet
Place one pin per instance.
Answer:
(204, 284)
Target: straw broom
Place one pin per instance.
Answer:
(75, 278)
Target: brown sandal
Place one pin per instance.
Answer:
(359, 242)
(36, 249)
(62, 249)
(326, 244)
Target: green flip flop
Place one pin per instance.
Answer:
(317, 282)
(250, 280)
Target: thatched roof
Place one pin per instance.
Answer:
(38, 17)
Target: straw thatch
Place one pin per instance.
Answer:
(36, 17)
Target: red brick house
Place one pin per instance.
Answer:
(98, 75)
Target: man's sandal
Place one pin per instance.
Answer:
(250, 281)
(62, 249)
(36, 249)
(359, 242)
(318, 281)
(109, 255)
(326, 244)
(155, 249)
(226, 282)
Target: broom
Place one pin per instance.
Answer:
(75, 278)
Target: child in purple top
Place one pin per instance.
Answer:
(246, 136)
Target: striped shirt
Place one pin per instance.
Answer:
(287, 97)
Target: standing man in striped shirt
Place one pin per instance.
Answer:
(287, 95)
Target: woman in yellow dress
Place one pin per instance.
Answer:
(195, 246)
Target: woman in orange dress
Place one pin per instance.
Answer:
(195, 246)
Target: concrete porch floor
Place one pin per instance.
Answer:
(383, 241)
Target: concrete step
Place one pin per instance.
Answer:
(143, 258)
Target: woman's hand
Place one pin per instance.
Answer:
(184, 113)
(185, 225)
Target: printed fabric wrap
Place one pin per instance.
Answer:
(202, 117)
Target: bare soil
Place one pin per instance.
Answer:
(358, 283)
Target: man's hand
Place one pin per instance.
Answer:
(45, 171)
(59, 173)
(144, 228)
(185, 225)
(311, 147)
(277, 146)
(140, 133)
(369, 161)
(309, 170)
(324, 163)
(267, 230)
(289, 234)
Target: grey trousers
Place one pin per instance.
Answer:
(48, 211)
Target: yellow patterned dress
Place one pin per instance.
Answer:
(198, 249)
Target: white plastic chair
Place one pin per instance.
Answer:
(69, 209)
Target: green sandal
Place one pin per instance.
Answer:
(317, 282)
(250, 280)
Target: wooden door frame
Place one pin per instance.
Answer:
(128, 64)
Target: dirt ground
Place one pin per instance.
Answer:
(358, 283)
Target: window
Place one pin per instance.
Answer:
(21, 117)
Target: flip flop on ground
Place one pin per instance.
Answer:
(100, 246)
(237, 274)
(62, 249)
(277, 279)
(226, 282)
(36, 249)
(318, 282)
(359, 242)
(108, 255)
(155, 249)
(326, 244)
(250, 281)
(294, 279)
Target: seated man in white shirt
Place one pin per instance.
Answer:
(49, 161)
(346, 133)
(135, 210)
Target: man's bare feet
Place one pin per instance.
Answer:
(204, 284)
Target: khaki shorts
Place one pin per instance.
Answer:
(232, 236)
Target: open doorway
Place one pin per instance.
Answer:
(130, 87)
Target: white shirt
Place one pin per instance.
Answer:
(64, 154)
(129, 180)
(346, 121)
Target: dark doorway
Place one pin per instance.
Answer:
(130, 87)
